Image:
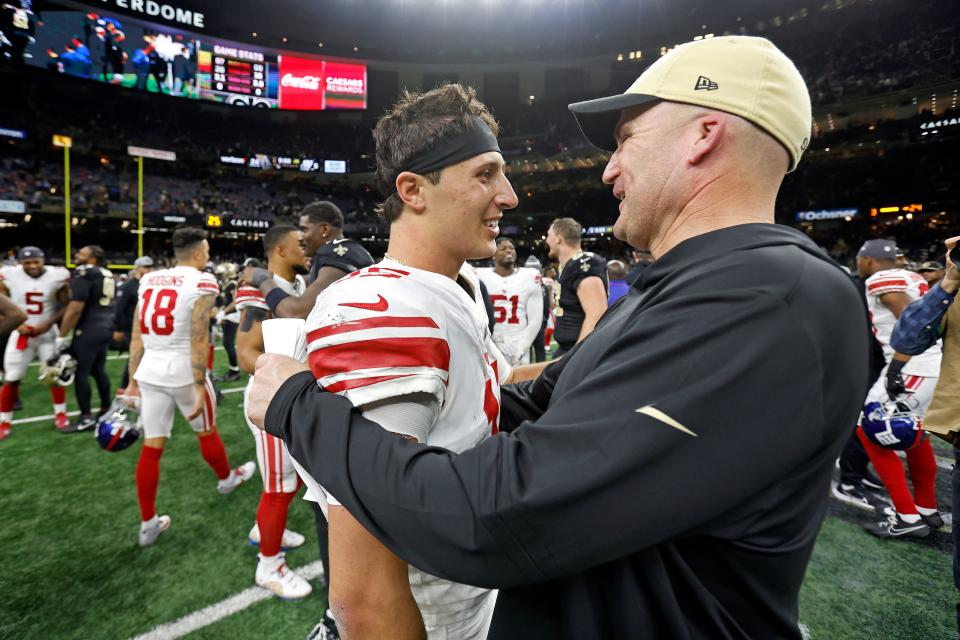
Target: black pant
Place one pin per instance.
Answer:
(3, 348)
(90, 350)
(230, 342)
(323, 540)
(853, 461)
(539, 350)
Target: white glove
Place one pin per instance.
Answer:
(220, 316)
(61, 344)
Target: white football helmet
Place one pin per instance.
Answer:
(59, 370)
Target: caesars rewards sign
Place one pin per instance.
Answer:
(317, 84)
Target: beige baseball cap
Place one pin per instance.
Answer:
(746, 76)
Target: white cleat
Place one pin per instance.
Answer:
(236, 478)
(290, 540)
(151, 530)
(274, 574)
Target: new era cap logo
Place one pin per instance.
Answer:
(703, 82)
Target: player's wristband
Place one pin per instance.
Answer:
(275, 297)
(259, 277)
(896, 366)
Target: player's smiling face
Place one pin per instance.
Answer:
(642, 172)
(467, 203)
(506, 254)
(33, 267)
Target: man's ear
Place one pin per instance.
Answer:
(710, 130)
(410, 190)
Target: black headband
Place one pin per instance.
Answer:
(475, 140)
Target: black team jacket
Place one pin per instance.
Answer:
(666, 479)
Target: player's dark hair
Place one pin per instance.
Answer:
(512, 243)
(187, 238)
(323, 211)
(98, 254)
(275, 236)
(568, 229)
(416, 123)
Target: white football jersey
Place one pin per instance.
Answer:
(165, 302)
(517, 309)
(250, 296)
(36, 296)
(390, 330)
(927, 364)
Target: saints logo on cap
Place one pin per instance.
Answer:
(703, 82)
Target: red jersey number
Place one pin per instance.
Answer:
(156, 313)
(34, 302)
(505, 309)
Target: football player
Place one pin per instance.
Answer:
(168, 370)
(517, 297)
(406, 340)
(908, 380)
(334, 256)
(42, 293)
(287, 262)
(89, 317)
(580, 292)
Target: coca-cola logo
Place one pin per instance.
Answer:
(310, 83)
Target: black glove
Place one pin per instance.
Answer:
(894, 383)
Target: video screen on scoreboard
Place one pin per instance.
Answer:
(139, 55)
(99, 47)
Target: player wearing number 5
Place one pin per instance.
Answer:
(38, 290)
(89, 316)
(517, 300)
(168, 370)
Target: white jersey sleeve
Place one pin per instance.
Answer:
(249, 296)
(371, 338)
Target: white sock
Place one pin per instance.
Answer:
(926, 512)
(909, 518)
(60, 408)
(271, 562)
(149, 523)
(6, 416)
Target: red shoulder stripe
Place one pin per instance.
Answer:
(380, 353)
(346, 385)
(370, 323)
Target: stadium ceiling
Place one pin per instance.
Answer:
(471, 30)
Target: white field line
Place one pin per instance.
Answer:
(76, 413)
(220, 610)
(116, 356)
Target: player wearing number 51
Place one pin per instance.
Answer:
(169, 351)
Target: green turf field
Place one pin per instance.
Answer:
(70, 566)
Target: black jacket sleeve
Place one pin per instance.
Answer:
(576, 488)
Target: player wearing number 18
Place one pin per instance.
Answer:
(168, 350)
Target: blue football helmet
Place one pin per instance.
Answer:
(119, 427)
(891, 425)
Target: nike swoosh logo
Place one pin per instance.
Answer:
(379, 305)
(656, 414)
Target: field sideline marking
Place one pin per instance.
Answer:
(220, 610)
(76, 413)
(116, 356)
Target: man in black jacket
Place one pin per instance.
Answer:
(668, 477)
